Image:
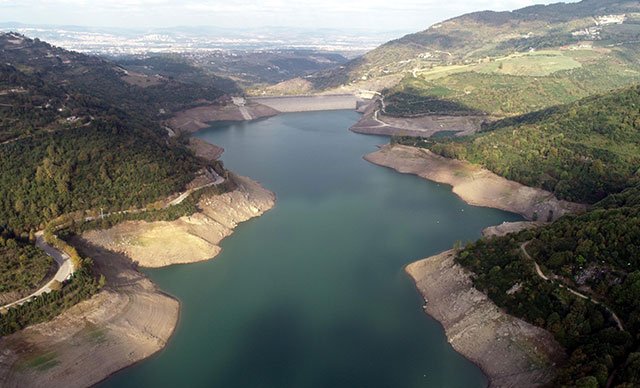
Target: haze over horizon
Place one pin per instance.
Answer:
(400, 15)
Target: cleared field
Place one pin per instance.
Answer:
(533, 64)
(516, 84)
(539, 63)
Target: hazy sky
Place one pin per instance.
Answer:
(409, 15)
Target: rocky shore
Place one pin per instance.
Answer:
(510, 351)
(193, 238)
(130, 318)
(475, 185)
(195, 119)
(373, 122)
(127, 321)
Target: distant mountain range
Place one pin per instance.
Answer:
(561, 52)
(102, 40)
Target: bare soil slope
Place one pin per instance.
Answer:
(192, 238)
(129, 320)
(511, 352)
(474, 184)
(192, 120)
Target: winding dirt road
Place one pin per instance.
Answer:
(523, 248)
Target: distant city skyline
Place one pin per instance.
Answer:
(382, 15)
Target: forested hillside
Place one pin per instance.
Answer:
(586, 151)
(582, 151)
(42, 69)
(596, 253)
(504, 63)
(78, 133)
(22, 267)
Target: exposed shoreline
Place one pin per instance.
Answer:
(118, 336)
(126, 322)
(194, 119)
(509, 351)
(474, 185)
(193, 238)
(131, 318)
(373, 122)
(253, 108)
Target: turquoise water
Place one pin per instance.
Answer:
(313, 293)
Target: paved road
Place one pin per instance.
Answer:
(65, 265)
(523, 248)
(65, 270)
(217, 179)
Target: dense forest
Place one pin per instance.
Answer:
(22, 266)
(587, 151)
(77, 135)
(580, 151)
(596, 253)
(103, 165)
(81, 286)
(187, 207)
(406, 104)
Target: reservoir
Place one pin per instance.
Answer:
(313, 293)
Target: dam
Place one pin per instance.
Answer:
(289, 104)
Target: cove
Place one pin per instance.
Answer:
(313, 293)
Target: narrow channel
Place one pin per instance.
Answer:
(313, 293)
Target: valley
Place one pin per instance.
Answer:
(512, 153)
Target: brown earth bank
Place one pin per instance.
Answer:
(129, 320)
(194, 119)
(192, 238)
(205, 150)
(475, 185)
(511, 352)
(510, 227)
(373, 122)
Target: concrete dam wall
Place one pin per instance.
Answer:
(309, 103)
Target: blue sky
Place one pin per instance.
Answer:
(409, 15)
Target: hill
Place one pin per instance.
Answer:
(79, 133)
(578, 276)
(594, 253)
(582, 151)
(503, 63)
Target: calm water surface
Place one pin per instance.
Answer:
(313, 293)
